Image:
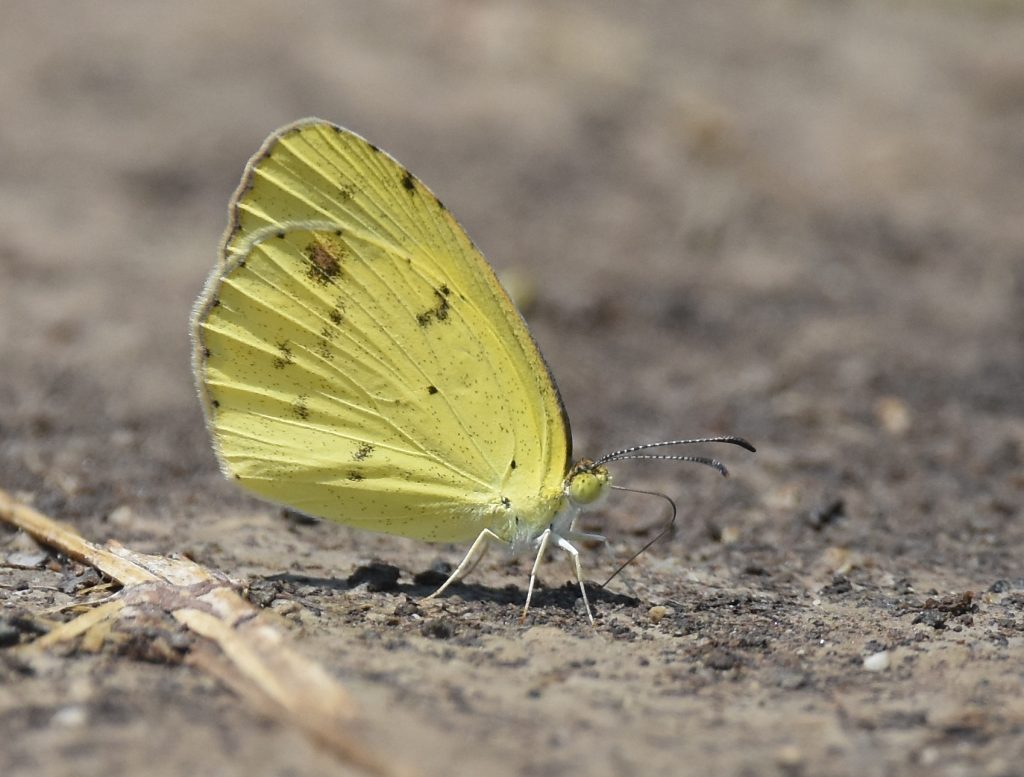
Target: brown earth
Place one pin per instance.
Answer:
(796, 221)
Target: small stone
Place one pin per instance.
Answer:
(121, 516)
(730, 535)
(659, 612)
(789, 756)
(893, 415)
(878, 662)
(72, 716)
(27, 559)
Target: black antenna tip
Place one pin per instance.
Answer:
(740, 442)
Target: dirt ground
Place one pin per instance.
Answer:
(796, 221)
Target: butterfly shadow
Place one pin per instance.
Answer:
(564, 597)
(380, 577)
(376, 576)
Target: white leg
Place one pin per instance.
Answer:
(583, 536)
(542, 546)
(476, 552)
(569, 548)
(479, 557)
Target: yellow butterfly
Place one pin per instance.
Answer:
(358, 361)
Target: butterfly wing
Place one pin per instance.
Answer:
(358, 360)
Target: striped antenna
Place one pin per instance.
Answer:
(635, 452)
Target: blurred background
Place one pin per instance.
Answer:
(797, 221)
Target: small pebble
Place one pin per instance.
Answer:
(72, 716)
(121, 516)
(789, 756)
(27, 559)
(893, 415)
(730, 535)
(659, 612)
(878, 662)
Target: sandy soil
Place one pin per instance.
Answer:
(796, 221)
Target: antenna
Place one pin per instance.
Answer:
(627, 453)
(635, 453)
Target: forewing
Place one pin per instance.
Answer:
(358, 359)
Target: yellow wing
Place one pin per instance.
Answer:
(358, 360)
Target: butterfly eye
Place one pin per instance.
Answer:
(587, 486)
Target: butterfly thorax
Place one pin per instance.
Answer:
(584, 485)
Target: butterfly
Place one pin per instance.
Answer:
(357, 360)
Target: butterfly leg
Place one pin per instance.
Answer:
(585, 536)
(476, 561)
(569, 548)
(476, 552)
(542, 546)
(582, 536)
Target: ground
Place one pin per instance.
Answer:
(795, 221)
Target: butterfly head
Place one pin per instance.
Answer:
(587, 482)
